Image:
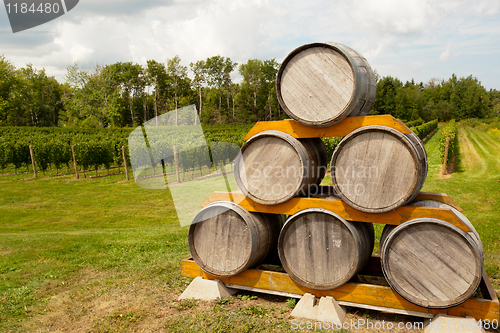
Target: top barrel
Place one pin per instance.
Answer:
(320, 84)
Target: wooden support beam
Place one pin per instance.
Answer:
(344, 127)
(294, 205)
(355, 294)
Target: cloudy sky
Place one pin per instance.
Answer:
(420, 39)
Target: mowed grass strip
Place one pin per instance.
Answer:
(54, 231)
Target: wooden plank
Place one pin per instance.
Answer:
(342, 128)
(356, 305)
(441, 197)
(294, 205)
(355, 293)
(487, 288)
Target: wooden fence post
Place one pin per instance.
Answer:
(446, 155)
(33, 161)
(176, 165)
(125, 162)
(74, 162)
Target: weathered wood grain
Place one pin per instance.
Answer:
(274, 167)
(320, 250)
(473, 233)
(431, 263)
(320, 84)
(225, 239)
(377, 169)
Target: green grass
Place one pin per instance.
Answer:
(54, 231)
(105, 254)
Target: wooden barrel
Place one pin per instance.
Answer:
(225, 239)
(436, 204)
(376, 169)
(320, 84)
(473, 233)
(321, 250)
(273, 167)
(431, 263)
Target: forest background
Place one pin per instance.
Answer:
(127, 94)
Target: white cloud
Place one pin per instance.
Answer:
(446, 54)
(398, 38)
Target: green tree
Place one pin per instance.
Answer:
(229, 67)
(8, 77)
(385, 101)
(36, 97)
(252, 80)
(216, 78)
(128, 78)
(200, 78)
(93, 96)
(178, 74)
(269, 70)
(157, 74)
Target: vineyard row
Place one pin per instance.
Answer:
(95, 148)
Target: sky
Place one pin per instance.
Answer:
(419, 39)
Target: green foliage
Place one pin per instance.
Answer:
(185, 304)
(449, 131)
(42, 151)
(120, 94)
(331, 144)
(246, 297)
(425, 129)
(290, 302)
(96, 148)
(458, 98)
(255, 311)
(223, 300)
(4, 158)
(415, 123)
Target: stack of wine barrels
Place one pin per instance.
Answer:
(374, 169)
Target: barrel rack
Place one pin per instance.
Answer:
(356, 293)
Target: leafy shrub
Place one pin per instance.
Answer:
(449, 131)
(414, 123)
(425, 129)
(331, 144)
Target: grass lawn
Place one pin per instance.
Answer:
(103, 255)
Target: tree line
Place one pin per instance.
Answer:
(128, 94)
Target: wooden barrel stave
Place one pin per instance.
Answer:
(273, 167)
(430, 262)
(473, 233)
(225, 239)
(320, 84)
(320, 250)
(376, 169)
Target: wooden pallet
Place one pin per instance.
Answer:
(354, 294)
